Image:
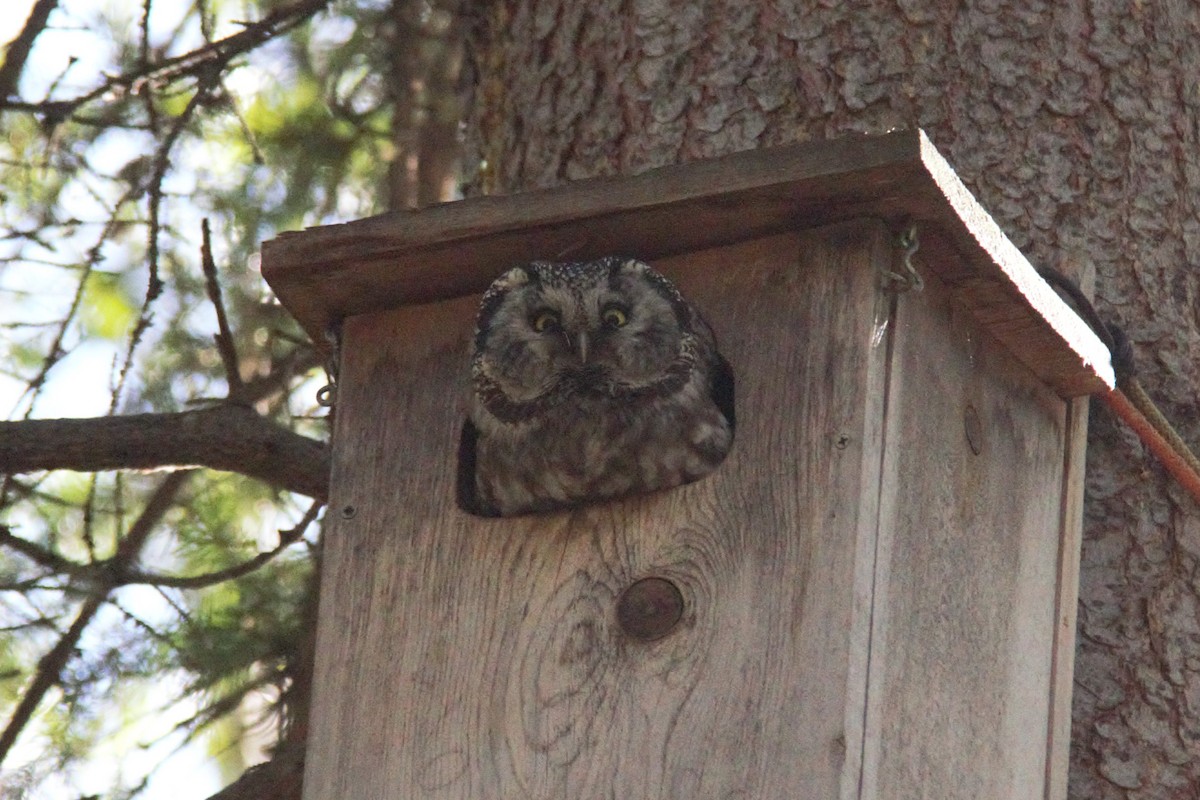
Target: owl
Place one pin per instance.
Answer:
(589, 381)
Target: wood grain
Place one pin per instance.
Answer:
(334, 272)
(964, 626)
(470, 659)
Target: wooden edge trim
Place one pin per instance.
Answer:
(1066, 602)
(1019, 273)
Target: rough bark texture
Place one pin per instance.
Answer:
(1076, 123)
(224, 437)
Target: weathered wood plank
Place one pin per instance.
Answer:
(480, 659)
(964, 625)
(1066, 600)
(330, 273)
(1066, 603)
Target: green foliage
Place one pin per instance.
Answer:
(100, 194)
(246, 628)
(108, 310)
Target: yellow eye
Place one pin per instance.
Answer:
(614, 317)
(544, 320)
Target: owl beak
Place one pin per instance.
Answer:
(581, 344)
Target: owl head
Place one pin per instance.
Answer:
(602, 328)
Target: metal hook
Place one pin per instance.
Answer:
(910, 279)
(327, 394)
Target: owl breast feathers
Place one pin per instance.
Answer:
(590, 381)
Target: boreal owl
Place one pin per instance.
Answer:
(590, 380)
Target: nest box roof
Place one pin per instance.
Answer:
(325, 274)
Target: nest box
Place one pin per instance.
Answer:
(872, 597)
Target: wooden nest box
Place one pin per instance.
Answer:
(872, 597)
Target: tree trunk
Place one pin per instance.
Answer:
(1075, 123)
(424, 42)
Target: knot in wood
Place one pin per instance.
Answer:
(650, 608)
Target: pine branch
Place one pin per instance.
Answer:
(286, 539)
(112, 572)
(51, 665)
(282, 778)
(225, 437)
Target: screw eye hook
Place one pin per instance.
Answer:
(910, 279)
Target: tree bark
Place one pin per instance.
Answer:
(1075, 123)
(17, 50)
(224, 437)
(423, 81)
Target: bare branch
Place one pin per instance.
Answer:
(225, 437)
(221, 51)
(56, 350)
(51, 665)
(144, 34)
(48, 671)
(142, 625)
(30, 585)
(286, 539)
(162, 162)
(18, 49)
(89, 518)
(40, 622)
(38, 554)
(224, 336)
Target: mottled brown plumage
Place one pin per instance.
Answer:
(590, 380)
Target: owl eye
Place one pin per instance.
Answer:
(614, 316)
(544, 320)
